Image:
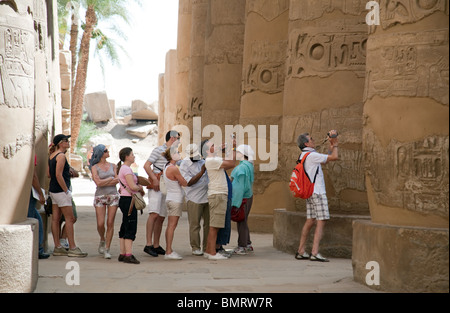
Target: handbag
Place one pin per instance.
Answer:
(238, 214)
(137, 200)
(48, 206)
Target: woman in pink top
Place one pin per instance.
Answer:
(128, 183)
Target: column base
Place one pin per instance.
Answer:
(336, 241)
(411, 259)
(19, 246)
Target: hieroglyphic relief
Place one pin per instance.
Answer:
(412, 175)
(11, 149)
(268, 9)
(325, 53)
(40, 24)
(16, 65)
(194, 109)
(266, 71)
(308, 10)
(414, 64)
(409, 11)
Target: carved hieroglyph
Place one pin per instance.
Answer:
(415, 64)
(16, 63)
(266, 71)
(407, 11)
(324, 53)
(411, 175)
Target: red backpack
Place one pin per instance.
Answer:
(301, 185)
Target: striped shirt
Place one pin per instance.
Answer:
(156, 158)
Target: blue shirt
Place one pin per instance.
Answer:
(243, 177)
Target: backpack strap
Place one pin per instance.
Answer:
(302, 161)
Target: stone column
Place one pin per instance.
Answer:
(161, 108)
(406, 147)
(17, 65)
(197, 61)
(263, 77)
(183, 63)
(324, 90)
(223, 62)
(170, 87)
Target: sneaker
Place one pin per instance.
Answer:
(217, 256)
(206, 255)
(107, 255)
(64, 243)
(101, 247)
(197, 252)
(240, 251)
(158, 250)
(318, 258)
(130, 260)
(173, 256)
(303, 256)
(121, 257)
(60, 251)
(225, 253)
(44, 256)
(150, 251)
(249, 248)
(76, 253)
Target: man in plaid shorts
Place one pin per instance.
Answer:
(316, 206)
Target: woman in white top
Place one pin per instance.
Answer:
(174, 199)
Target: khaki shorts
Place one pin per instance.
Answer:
(174, 208)
(217, 210)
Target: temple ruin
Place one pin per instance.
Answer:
(311, 66)
(292, 66)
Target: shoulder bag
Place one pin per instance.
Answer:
(137, 200)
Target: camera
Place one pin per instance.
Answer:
(333, 136)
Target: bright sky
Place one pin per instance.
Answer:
(151, 34)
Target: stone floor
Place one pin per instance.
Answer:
(264, 271)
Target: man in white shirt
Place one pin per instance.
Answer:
(156, 200)
(316, 206)
(193, 170)
(217, 194)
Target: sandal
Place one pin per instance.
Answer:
(303, 256)
(318, 258)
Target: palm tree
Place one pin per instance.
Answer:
(64, 8)
(96, 10)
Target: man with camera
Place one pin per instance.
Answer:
(317, 205)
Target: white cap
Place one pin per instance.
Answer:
(247, 151)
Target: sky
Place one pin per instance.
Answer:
(150, 35)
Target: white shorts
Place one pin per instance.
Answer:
(157, 203)
(61, 199)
